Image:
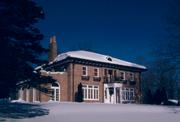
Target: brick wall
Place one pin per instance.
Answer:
(72, 77)
(78, 79)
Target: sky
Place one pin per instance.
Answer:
(125, 29)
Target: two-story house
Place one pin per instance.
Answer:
(104, 79)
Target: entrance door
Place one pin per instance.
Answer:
(55, 92)
(112, 93)
(108, 94)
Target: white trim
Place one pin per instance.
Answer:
(34, 94)
(121, 95)
(55, 88)
(126, 92)
(133, 76)
(27, 95)
(85, 70)
(114, 100)
(97, 72)
(20, 94)
(93, 92)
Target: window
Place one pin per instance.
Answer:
(105, 72)
(131, 76)
(84, 71)
(128, 94)
(109, 58)
(115, 73)
(55, 92)
(96, 72)
(122, 75)
(90, 92)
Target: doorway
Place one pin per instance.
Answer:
(55, 92)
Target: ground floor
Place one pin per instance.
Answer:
(110, 93)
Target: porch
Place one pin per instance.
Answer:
(116, 93)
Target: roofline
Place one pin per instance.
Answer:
(68, 54)
(74, 60)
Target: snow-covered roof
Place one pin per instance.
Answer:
(96, 57)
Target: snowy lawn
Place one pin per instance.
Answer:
(84, 112)
(20, 110)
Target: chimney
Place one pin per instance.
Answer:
(52, 49)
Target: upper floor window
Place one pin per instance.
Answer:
(122, 75)
(96, 72)
(131, 76)
(105, 72)
(115, 73)
(84, 71)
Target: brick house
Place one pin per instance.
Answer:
(104, 79)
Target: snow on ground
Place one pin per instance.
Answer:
(84, 112)
(173, 101)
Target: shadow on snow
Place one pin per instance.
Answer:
(21, 110)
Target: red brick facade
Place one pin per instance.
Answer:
(72, 76)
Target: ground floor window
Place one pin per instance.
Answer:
(91, 92)
(128, 94)
(55, 92)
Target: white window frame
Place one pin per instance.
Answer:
(97, 72)
(54, 88)
(126, 92)
(133, 76)
(85, 70)
(124, 75)
(91, 92)
(21, 92)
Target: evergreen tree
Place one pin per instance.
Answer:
(164, 98)
(79, 94)
(157, 97)
(149, 97)
(19, 42)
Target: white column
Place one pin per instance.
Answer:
(27, 95)
(120, 94)
(114, 95)
(34, 94)
(105, 93)
(20, 94)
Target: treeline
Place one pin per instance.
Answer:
(162, 80)
(158, 97)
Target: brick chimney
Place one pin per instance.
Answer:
(52, 49)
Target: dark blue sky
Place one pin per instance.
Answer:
(121, 28)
